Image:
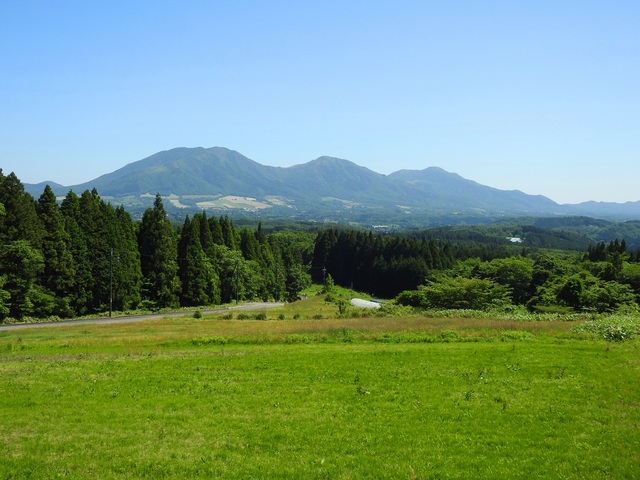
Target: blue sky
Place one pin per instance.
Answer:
(542, 96)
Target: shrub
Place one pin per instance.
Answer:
(201, 341)
(412, 298)
(343, 306)
(515, 335)
(449, 335)
(612, 327)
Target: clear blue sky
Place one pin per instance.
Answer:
(540, 96)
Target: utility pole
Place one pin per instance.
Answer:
(111, 283)
(237, 280)
(111, 255)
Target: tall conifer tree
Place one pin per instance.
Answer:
(59, 268)
(157, 243)
(80, 292)
(195, 270)
(127, 275)
(20, 220)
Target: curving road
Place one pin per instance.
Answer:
(141, 318)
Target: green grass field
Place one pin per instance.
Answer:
(318, 398)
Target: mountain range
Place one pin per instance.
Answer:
(219, 179)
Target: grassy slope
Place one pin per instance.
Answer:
(318, 399)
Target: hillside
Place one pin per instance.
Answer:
(223, 180)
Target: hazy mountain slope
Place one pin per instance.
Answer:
(328, 177)
(319, 188)
(438, 187)
(185, 171)
(605, 209)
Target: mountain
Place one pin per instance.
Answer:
(186, 171)
(439, 187)
(328, 178)
(621, 211)
(327, 188)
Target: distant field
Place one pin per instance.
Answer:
(318, 398)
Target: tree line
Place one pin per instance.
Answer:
(426, 273)
(604, 279)
(82, 256)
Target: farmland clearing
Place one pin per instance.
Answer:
(367, 397)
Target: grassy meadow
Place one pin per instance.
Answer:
(324, 397)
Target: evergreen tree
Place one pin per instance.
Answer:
(249, 246)
(79, 292)
(21, 264)
(231, 265)
(228, 233)
(195, 270)
(126, 271)
(216, 231)
(261, 237)
(157, 244)
(20, 220)
(297, 279)
(206, 237)
(97, 222)
(59, 268)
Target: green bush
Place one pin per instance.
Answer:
(515, 335)
(215, 340)
(612, 328)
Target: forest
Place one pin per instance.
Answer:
(81, 256)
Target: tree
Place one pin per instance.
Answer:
(59, 268)
(249, 245)
(324, 244)
(466, 293)
(21, 264)
(515, 273)
(125, 264)
(228, 233)
(231, 264)
(98, 222)
(20, 221)
(5, 298)
(296, 276)
(607, 297)
(79, 292)
(157, 245)
(197, 276)
(630, 275)
(572, 291)
(216, 231)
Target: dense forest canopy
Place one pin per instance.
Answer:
(81, 256)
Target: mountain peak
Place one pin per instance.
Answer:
(216, 177)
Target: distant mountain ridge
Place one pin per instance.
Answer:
(221, 179)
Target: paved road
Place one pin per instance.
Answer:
(140, 318)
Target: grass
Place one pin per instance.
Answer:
(403, 397)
